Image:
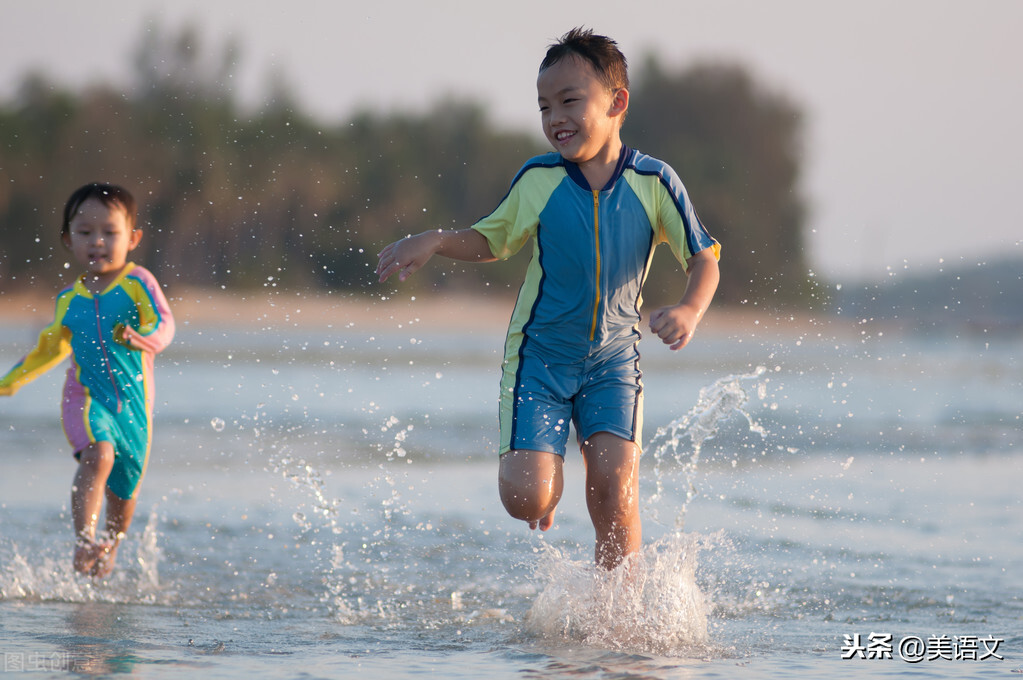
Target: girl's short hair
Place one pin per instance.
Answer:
(108, 194)
(599, 50)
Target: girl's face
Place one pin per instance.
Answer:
(100, 238)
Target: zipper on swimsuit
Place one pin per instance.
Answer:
(106, 357)
(596, 241)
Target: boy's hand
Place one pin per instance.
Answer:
(407, 255)
(675, 324)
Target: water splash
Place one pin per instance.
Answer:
(149, 553)
(652, 604)
(338, 572)
(393, 505)
(307, 479)
(44, 573)
(676, 447)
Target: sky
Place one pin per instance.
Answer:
(912, 151)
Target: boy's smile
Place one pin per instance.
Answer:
(581, 118)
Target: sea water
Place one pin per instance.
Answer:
(321, 502)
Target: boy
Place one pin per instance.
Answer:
(595, 210)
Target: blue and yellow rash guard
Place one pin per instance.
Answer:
(591, 250)
(108, 393)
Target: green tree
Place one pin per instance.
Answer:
(737, 148)
(240, 199)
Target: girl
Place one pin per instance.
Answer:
(112, 320)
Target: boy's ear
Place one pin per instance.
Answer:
(65, 238)
(619, 102)
(133, 241)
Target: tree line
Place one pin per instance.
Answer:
(236, 200)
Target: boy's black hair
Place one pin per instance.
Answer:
(108, 194)
(599, 50)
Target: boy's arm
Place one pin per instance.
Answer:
(404, 257)
(675, 324)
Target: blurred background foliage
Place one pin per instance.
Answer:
(239, 199)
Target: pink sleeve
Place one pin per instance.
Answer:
(156, 323)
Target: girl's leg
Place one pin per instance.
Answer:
(94, 465)
(612, 496)
(530, 483)
(119, 516)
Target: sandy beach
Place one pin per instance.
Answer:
(255, 309)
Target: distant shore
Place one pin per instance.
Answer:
(272, 309)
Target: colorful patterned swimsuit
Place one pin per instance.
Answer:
(108, 393)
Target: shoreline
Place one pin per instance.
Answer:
(257, 309)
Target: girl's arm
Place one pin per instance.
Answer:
(156, 323)
(53, 346)
(404, 257)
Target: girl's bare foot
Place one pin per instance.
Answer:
(87, 552)
(104, 564)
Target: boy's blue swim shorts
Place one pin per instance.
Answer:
(539, 398)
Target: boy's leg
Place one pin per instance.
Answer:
(530, 484)
(94, 465)
(612, 496)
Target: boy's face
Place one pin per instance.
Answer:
(581, 118)
(100, 237)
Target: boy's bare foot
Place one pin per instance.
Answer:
(545, 522)
(87, 552)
